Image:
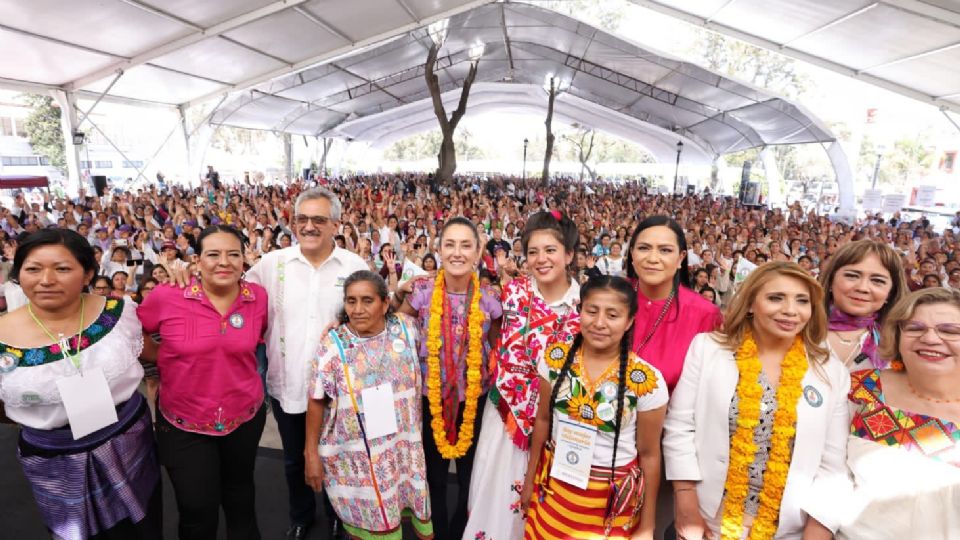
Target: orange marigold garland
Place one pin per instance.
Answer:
(474, 359)
(743, 450)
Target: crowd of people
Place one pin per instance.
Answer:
(573, 349)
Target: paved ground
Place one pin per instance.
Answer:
(20, 519)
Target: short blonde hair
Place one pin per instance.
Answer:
(904, 309)
(736, 319)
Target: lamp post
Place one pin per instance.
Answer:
(525, 143)
(676, 173)
(876, 168)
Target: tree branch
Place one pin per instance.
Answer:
(433, 84)
(464, 95)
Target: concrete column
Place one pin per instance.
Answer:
(772, 175)
(288, 157)
(68, 123)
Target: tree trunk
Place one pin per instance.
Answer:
(549, 123)
(448, 154)
(327, 143)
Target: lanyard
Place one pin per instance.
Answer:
(74, 358)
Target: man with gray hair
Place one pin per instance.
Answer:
(305, 286)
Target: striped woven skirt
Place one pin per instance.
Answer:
(560, 511)
(87, 486)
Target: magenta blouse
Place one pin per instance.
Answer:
(668, 346)
(207, 361)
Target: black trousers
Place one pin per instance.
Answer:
(208, 472)
(293, 436)
(438, 476)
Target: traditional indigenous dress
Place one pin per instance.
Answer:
(531, 328)
(905, 468)
(105, 481)
(663, 332)
(454, 349)
(373, 482)
(561, 511)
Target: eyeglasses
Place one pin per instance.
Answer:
(318, 221)
(916, 329)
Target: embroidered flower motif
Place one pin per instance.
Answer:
(556, 354)
(480, 536)
(195, 289)
(55, 348)
(94, 329)
(34, 357)
(245, 292)
(111, 304)
(16, 352)
(641, 379)
(584, 409)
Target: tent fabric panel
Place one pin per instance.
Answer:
(207, 14)
(306, 38)
(206, 59)
(44, 62)
(314, 122)
(794, 17)
(264, 112)
(359, 23)
(154, 84)
(937, 74)
(893, 35)
(315, 90)
(117, 30)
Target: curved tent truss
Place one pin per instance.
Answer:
(524, 45)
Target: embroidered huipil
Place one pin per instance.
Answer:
(668, 346)
(491, 308)
(905, 469)
(28, 375)
(397, 474)
(530, 326)
(207, 364)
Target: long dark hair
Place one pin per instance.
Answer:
(682, 276)
(622, 287)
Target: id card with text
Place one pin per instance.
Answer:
(88, 402)
(573, 456)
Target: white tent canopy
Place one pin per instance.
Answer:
(607, 83)
(911, 47)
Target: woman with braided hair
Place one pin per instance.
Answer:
(596, 443)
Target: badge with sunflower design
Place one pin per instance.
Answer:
(555, 354)
(583, 409)
(641, 379)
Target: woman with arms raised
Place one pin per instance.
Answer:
(756, 429)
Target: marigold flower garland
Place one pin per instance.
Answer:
(474, 359)
(743, 450)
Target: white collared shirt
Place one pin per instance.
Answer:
(310, 300)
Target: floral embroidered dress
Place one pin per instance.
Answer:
(373, 484)
(559, 510)
(531, 328)
(905, 468)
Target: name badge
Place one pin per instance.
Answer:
(379, 413)
(88, 402)
(574, 453)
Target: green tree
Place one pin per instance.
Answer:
(909, 158)
(746, 62)
(43, 129)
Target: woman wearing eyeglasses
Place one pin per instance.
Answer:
(904, 445)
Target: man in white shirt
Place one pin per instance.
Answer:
(305, 286)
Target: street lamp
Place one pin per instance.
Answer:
(876, 169)
(676, 173)
(525, 143)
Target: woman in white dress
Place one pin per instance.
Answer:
(540, 318)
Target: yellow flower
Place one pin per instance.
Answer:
(640, 378)
(584, 409)
(112, 303)
(556, 355)
(474, 359)
(16, 352)
(743, 450)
